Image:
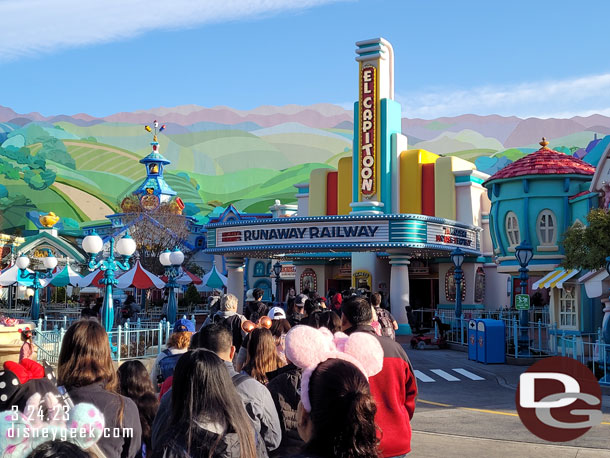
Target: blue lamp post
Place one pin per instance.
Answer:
(524, 254)
(93, 244)
(49, 262)
(457, 256)
(606, 328)
(171, 260)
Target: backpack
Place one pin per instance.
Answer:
(167, 364)
(387, 323)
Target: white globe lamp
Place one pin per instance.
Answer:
(93, 244)
(126, 246)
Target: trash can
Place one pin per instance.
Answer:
(472, 340)
(490, 341)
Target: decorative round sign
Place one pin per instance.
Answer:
(149, 202)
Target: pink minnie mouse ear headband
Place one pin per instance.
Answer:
(21, 433)
(307, 347)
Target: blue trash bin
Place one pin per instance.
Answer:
(491, 342)
(472, 340)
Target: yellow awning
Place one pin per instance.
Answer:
(555, 279)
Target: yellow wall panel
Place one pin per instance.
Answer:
(317, 192)
(344, 187)
(444, 184)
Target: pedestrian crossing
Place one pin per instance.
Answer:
(445, 376)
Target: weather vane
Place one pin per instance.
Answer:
(156, 127)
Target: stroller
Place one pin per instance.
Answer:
(424, 337)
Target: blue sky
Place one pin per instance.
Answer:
(525, 58)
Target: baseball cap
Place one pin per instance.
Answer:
(300, 300)
(277, 313)
(183, 325)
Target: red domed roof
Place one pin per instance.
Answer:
(545, 161)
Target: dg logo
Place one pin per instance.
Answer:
(559, 399)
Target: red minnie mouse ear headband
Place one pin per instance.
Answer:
(263, 322)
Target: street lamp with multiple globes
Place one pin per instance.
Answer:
(172, 260)
(457, 256)
(49, 262)
(277, 270)
(524, 254)
(125, 247)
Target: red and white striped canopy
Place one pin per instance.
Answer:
(139, 277)
(93, 279)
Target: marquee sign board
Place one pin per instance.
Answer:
(303, 233)
(342, 233)
(442, 234)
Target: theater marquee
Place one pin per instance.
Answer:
(303, 233)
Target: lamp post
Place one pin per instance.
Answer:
(524, 254)
(277, 270)
(125, 247)
(171, 260)
(49, 262)
(606, 322)
(457, 256)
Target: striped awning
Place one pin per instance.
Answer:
(555, 279)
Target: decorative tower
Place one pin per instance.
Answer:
(154, 190)
(377, 131)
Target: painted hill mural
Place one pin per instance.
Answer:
(81, 166)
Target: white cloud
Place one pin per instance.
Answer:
(543, 99)
(38, 26)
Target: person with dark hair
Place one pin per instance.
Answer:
(96, 310)
(385, 319)
(311, 306)
(330, 320)
(341, 423)
(255, 397)
(394, 388)
(86, 371)
(262, 356)
(130, 308)
(207, 418)
(256, 308)
(296, 314)
(279, 328)
(58, 449)
(134, 382)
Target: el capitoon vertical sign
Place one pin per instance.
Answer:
(367, 126)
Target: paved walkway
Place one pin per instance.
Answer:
(434, 445)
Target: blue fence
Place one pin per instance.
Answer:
(543, 339)
(142, 338)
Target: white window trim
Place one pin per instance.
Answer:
(550, 245)
(576, 313)
(510, 215)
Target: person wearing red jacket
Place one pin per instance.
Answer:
(394, 388)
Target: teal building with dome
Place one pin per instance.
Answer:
(536, 199)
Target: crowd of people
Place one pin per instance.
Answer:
(314, 380)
